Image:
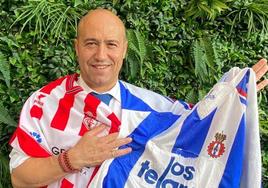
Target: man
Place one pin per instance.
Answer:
(100, 46)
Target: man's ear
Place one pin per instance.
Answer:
(76, 46)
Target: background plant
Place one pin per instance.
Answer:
(177, 48)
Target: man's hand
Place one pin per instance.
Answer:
(92, 150)
(260, 69)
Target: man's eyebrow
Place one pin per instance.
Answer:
(95, 40)
(111, 40)
(90, 40)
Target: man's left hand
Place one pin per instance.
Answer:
(260, 68)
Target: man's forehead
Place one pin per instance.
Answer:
(101, 20)
(101, 33)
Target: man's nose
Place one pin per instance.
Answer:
(101, 53)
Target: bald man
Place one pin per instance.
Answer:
(54, 144)
(100, 46)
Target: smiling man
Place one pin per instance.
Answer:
(79, 116)
(101, 46)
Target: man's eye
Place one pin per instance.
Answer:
(112, 45)
(91, 44)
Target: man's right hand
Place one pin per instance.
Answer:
(92, 150)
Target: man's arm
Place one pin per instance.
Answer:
(37, 172)
(91, 150)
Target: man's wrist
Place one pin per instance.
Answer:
(65, 163)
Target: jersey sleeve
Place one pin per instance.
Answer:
(251, 175)
(28, 139)
(16, 158)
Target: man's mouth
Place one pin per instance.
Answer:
(100, 66)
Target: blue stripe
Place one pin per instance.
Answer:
(186, 105)
(243, 83)
(243, 101)
(192, 135)
(154, 124)
(233, 168)
(131, 102)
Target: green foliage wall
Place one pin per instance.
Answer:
(177, 48)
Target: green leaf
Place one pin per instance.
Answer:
(199, 59)
(77, 3)
(4, 171)
(5, 117)
(5, 68)
(191, 97)
(137, 52)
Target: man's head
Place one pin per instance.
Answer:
(100, 46)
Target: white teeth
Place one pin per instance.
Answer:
(101, 66)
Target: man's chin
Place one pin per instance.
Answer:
(102, 85)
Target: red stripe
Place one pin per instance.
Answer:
(191, 105)
(91, 104)
(93, 174)
(115, 123)
(83, 130)
(69, 86)
(90, 109)
(29, 145)
(70, 82)
(61, 117)
(62, 114)
(242, 92)
(75, 89)
(66, 184)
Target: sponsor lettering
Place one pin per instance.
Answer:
(56, 151)
(38, 100)
(177, 169)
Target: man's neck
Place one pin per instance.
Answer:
(98, 89)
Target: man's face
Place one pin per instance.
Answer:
(100, 47)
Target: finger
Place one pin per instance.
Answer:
(259, 65)
(120, 142)
(96, 130)
(261, 72)
(262, 84)
(109, 138)
(120, 152)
